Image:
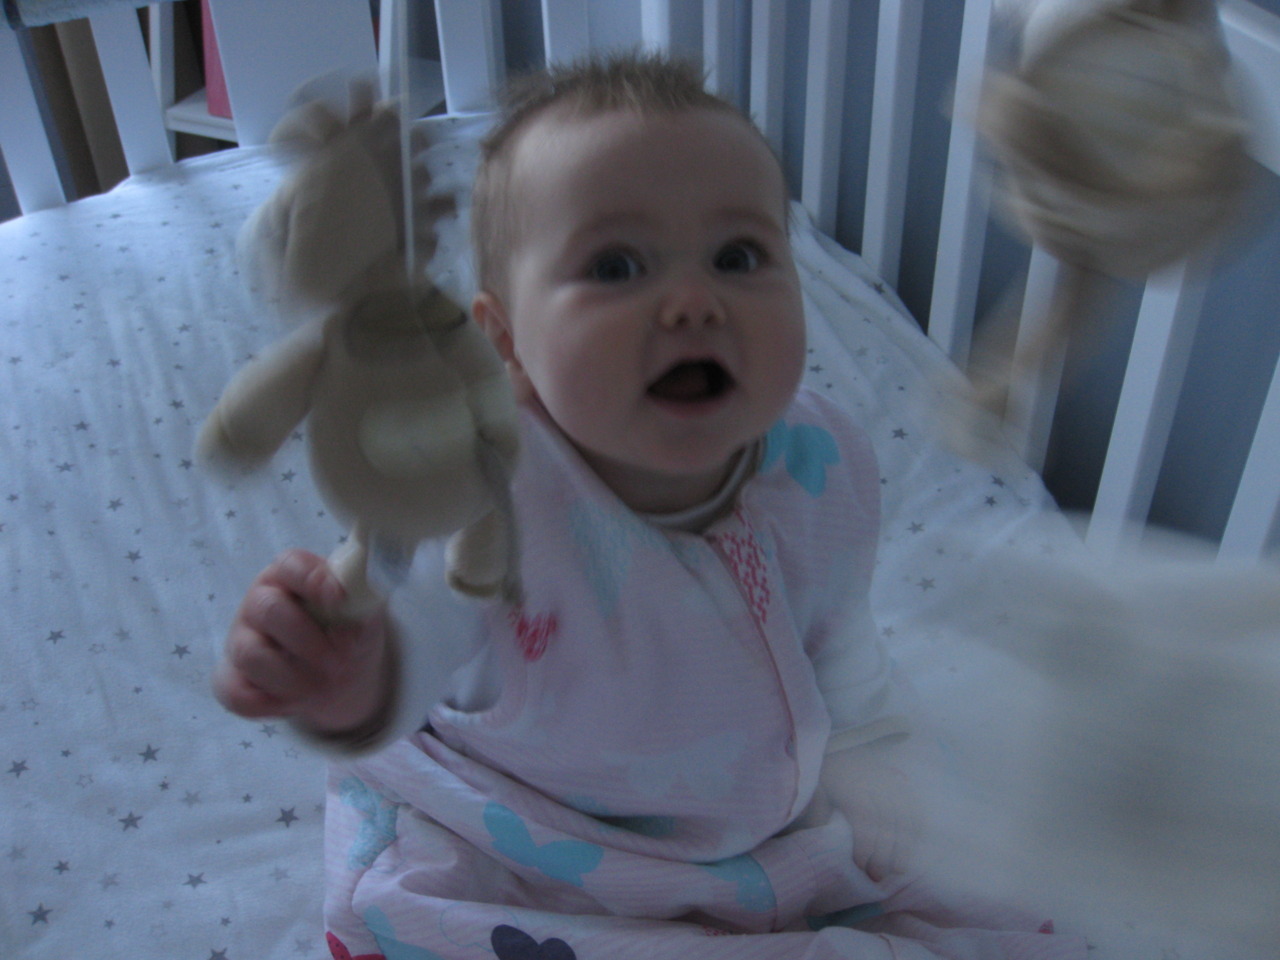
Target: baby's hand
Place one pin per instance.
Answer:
(877, 800)
(284, 657)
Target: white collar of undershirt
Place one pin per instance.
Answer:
(697, 518)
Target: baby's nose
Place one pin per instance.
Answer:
(691, 301)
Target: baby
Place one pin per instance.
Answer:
(675, 746)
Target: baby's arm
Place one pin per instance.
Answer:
(864, 773)
(335, 679)
(264, 402)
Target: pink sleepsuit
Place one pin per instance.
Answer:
(617, 769)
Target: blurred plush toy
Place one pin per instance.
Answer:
(1120, 131)
(1120, 139)
(411, 423)
(1120, 761)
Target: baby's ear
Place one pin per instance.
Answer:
(490, 314)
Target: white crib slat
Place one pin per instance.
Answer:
(1253, 37)
(163, 60)
(27, 155)
(127, 74)
(655, 24)
(1257, 505)
(390, 45)
(768, 38)
(721, 50)
(965, 199)
(269, 50)
(470, 53)
(892, 111)
(824, 110)
(1157, 364)
(1033, 394)
(566, 29)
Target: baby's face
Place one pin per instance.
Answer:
(651, 305)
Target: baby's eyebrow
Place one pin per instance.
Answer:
(751, 216)
(612, 223)
(607, 223)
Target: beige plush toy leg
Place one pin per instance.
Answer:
(479, 557)
(350, 563)
(483, 557)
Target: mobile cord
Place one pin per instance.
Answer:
(406, 166)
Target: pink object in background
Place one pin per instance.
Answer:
(215, 83)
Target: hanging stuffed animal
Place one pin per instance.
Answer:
(1120, 139)
(1120, 132)
(411, 423)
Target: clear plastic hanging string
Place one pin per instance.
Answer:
(401, 40)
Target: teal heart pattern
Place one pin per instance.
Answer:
(377, 826)
(379, 925)
(755, 892)
(566, 860)
(808, 451)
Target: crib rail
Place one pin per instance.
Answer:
(268, 51)
(1163, 340)
(28, 153)
(965, 201)
(470, 52)
(892, 111)
(122, 55)
(1253, 36)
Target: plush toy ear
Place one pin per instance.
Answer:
(490, 315)
(339, 213)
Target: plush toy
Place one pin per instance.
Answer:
(1121, 143)
(1120, 131)
(411, 422)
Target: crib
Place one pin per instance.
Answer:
(140, 819)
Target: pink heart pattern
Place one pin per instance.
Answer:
(340, 951)
(745, 558)
(534, 633)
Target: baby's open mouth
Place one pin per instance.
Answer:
(695, 381)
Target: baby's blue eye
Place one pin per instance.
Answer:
(741, 256)
(616, 266)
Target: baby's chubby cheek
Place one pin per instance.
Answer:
(784, 367)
